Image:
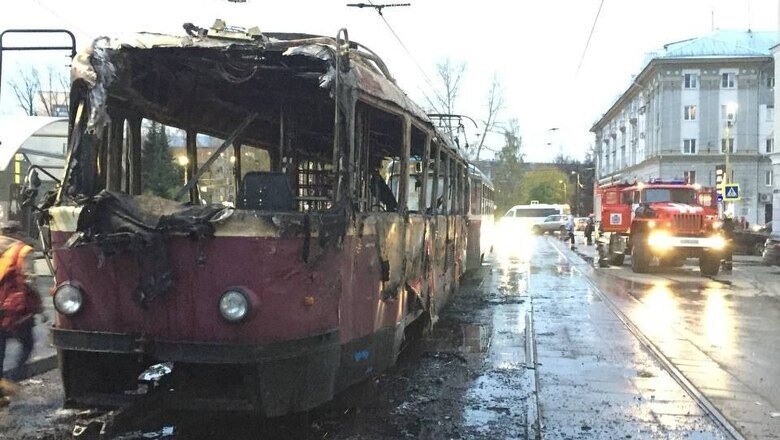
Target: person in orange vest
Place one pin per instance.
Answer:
(19, 302)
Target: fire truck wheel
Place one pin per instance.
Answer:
(640, 259)
(709, 264)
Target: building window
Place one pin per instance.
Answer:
(689, 113)
(770, 113)
(770, 145)
(768, 178)
(730, 144)
(728, 80)
(691, 80)
(770, 81)
(728, 112)
(689, 146)
(690, 177)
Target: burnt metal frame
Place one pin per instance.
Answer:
(71, 48)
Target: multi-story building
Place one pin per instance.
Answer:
(697, 104)
(774, 156)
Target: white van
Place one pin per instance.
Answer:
(526, 216)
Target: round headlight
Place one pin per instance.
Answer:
(68, 299)
(234, 305)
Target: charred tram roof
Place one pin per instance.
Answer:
(208, 85)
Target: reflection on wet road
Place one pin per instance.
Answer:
(724, 340)
(595, 379)
(498, 404)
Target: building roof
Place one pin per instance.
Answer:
(723, 43)
(720, 43)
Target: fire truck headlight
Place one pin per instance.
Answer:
(651, 224)
(234, 305)
(68, 299)
(717, 224)
(660, 240)
(716, 242)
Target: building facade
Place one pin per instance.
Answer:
(697, 104)
(775, 155)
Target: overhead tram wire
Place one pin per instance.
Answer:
(590, 35)
(379, 8)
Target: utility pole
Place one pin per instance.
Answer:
(577, 193)
(731, 116)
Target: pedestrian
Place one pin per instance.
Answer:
(570, 231)
(728, 234)
(590, 226)
(19, 303)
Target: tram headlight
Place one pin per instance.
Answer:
(234, 305)
(68, 299)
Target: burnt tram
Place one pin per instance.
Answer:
(304, 275)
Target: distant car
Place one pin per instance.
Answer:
(551, 223)
(771, 254)
(580, 223)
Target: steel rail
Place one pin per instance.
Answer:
(665, 362)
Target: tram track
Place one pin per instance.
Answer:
(697, 395)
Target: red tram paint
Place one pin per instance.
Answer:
(324, 220)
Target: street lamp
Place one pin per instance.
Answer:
(183, 162)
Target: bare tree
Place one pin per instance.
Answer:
(495, 103)
(55, 95)
(37, 98)
(450, 74)
(26, 88)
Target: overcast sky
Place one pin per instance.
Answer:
(533, 46)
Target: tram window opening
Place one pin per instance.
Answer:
(378, 152)
(217, 185)
(430, 176)
(416, 173)
(475, 198)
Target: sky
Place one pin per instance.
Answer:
(533, 47)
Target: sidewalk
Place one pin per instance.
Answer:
(44, 357)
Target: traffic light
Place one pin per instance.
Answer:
(720, 177)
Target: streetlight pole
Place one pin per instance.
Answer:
(731, 116)
(565, 193)
(577, 193)
(183, 162)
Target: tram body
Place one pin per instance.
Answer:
(303, 277)
(481, 225)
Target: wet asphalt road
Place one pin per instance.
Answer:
(529, 347)
(722, 334)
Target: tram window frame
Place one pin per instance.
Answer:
(379, 145)
(414, 180)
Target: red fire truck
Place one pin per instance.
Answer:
(665, 220)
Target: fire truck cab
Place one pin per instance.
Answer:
(667, 221)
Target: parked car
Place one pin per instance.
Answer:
(751, 241)
(771, 254)
(551, 223)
